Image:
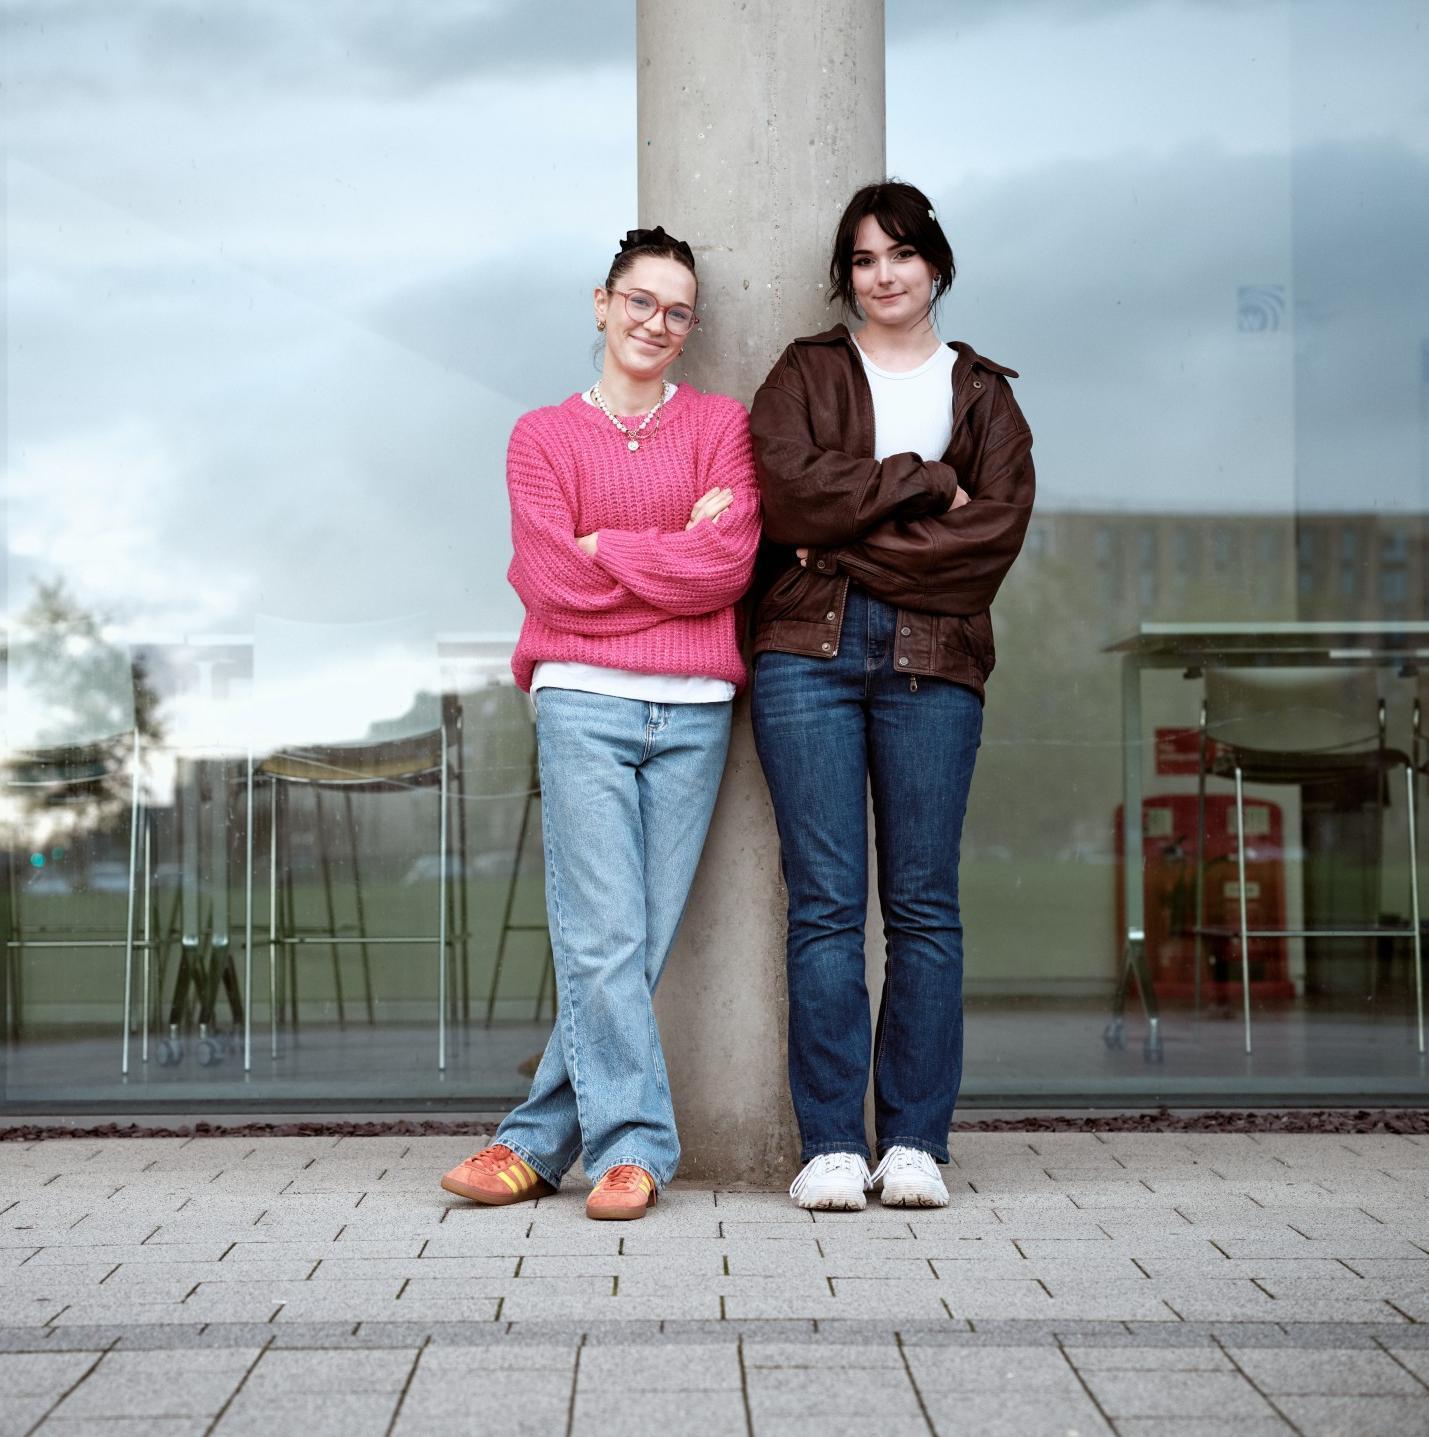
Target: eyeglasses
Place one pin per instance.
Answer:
(642, 306)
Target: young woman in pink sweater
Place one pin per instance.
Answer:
(634, 520)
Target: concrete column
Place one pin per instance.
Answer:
(757, 120)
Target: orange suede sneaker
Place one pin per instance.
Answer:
(626, 1192)
(496, 1176)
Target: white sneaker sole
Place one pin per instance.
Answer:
(908, 1195)
(832, 1200)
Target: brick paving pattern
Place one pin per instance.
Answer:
(1081, 1283)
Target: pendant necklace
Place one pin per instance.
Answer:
(632, 436)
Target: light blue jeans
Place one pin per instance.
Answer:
(627, 790)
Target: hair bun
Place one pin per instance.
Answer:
(655, 239)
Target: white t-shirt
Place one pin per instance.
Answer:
(626, 683)
(912, 410)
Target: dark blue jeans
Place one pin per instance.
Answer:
(825, 729)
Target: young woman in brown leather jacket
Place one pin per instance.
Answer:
(896, 478)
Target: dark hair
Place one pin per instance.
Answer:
(655, 243)
(905, 214)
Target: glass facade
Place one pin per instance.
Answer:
(1200, 232)
(280, 278)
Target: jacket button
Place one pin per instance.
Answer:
(830, 616)
(905, 631)
(977, 384)
(819, 564)
(827, 647)
(903, 662)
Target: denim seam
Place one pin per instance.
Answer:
(922, 1144)
(813, 1150)
(531, 1161)
(565, 1017)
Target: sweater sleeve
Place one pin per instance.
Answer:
(707, 568)
(822, 497)
(556, 581)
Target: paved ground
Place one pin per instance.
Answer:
(1080, 1284)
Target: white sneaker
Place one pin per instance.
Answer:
(910, 1178)
(832, 1182)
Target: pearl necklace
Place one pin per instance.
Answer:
(632, 435)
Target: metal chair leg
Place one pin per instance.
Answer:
(1244, 914)
(1409, 776)
(248, 916)
(361, 908)
(442, 915)
(129, 922)
(148, 944)
(463, 914)
(273, 827)
(325, 864)
(1199, 948)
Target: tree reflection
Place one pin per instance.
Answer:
(74, 701)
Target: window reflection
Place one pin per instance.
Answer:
(1223, 364)
(260, 380)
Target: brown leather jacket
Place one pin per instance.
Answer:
(888, 526)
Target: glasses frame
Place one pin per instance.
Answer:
(660, 309)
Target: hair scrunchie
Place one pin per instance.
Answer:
(655, 239)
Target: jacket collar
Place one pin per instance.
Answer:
(840, 334)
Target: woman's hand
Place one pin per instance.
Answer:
(959, 499)
(710, 506)
(586, 543)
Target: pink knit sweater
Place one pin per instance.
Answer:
(656, 598)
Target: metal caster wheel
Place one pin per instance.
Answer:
(169, 1052)
(207, 1052)
(1114, 1034)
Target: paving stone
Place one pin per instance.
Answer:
(508, 1355)
(685, 1368)
(33, 1374)
(991, 1369)
(541, 1409)
(760, 1353)
(250, 1247)
(1014, 1414)
(121, 1391)
(1201, 1358)
(281, 1372)
(1328, 1373)
(18, 1415)
(1356, 1416)
(130, 1254)
(1416, 1360)
(1176, 1394)
(1203, 1426)
(712, 1414)
(335, 1414)
(784, 1392)
(126, 1426)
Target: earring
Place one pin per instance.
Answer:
(600, 326)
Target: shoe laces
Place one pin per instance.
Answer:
(898, 1160)
(626, 1178)
(493, 1159)
(831, 1165)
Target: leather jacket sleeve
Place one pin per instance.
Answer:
(819, 497)
(954, 563)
